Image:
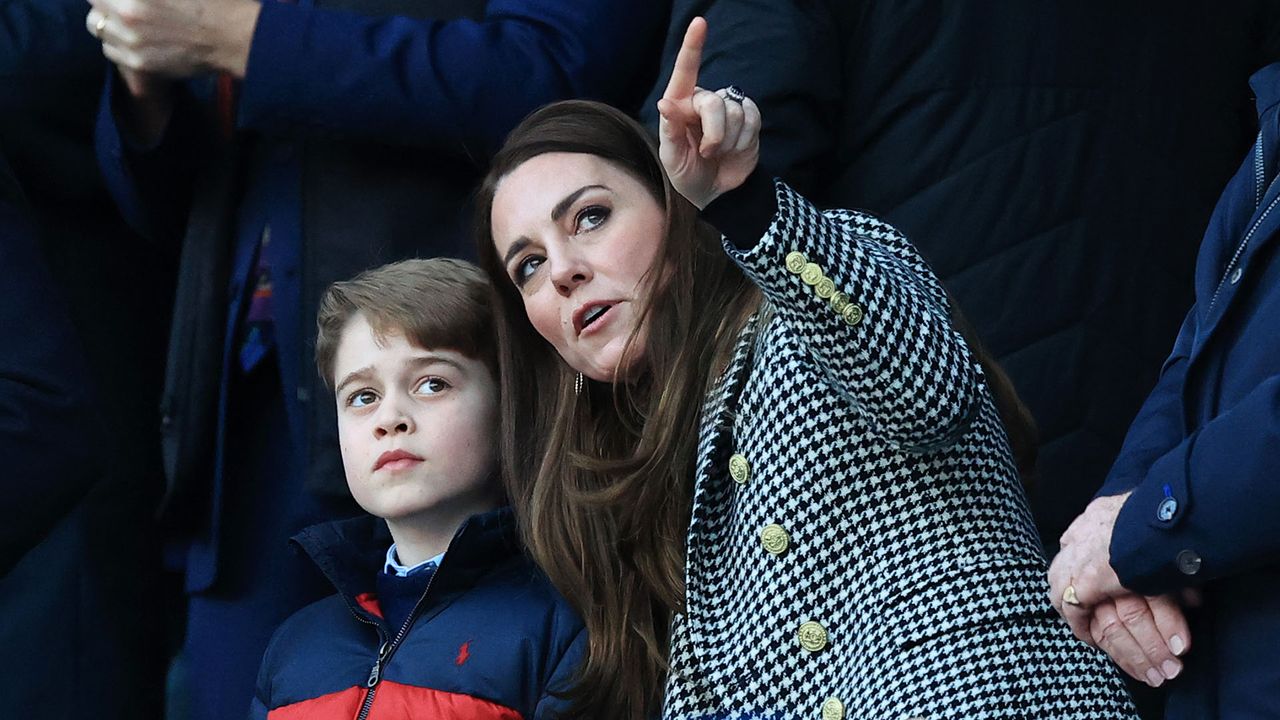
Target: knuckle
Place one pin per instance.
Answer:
(1110, 628)
(1132, 614)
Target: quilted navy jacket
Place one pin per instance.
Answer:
(490, 640)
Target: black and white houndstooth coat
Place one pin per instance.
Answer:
(860, 546)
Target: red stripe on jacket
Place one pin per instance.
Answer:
(395, 701)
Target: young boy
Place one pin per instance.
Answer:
(445, 617)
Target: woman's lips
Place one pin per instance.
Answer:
(600, 322)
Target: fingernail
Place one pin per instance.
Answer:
(1171, 668)
(1176, 645)
(1154, 678)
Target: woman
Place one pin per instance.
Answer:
(773, 479)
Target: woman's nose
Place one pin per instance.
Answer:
(568, 271)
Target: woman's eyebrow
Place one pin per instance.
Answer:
(563, 206)
(557, 213)
(520, 244)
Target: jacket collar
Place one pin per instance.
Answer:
(1266, 87)
(352, 552)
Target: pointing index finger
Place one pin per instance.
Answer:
(684, 76)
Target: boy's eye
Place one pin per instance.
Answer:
(591, 218)
(432, 386)
(362, 398)
(526, 268)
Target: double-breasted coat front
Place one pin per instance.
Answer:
(860, 545)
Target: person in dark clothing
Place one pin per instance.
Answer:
(1190, 502)
(47, 437)
(1054, 162)
(446, 617)
(334, 137)
(84, 605)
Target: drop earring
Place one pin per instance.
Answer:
(577, 384)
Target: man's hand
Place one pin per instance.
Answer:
(1084, 564)
(175, 38)
(1143, 635)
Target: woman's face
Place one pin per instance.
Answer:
(578, 236)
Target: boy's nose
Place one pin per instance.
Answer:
(393, 419)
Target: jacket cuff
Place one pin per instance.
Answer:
(1155, 549)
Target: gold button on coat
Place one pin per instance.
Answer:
(811, 274)
(739, 469)
(774, 539)
(852, 313)
(825, 288)
(839, 301)
(833, 709)
(813, 637)
(796, 262)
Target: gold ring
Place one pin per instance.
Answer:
(99, 26)
(1069, 595)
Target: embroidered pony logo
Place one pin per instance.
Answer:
(464, 653)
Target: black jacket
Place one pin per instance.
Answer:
(84, 311)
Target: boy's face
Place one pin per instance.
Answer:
(417, 427)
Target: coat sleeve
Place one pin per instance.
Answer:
(874, 319)
(798, 90)
(48, 434)
(550, 706)
(1222, 478)
(454, 85)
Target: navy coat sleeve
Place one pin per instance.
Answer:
(450, 85)
(1224, 476)
(47, 442)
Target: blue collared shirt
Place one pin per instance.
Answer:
(394, 567)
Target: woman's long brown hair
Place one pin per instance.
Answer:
(601, 482)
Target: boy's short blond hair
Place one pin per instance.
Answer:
(437, 303)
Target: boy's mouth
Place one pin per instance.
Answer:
(395, 460)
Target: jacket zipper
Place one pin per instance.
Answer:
(1259, 176)
(1258, 172)
(1240, 251)
(388, 649)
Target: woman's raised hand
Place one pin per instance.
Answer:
(709, 142)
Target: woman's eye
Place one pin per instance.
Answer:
(362, 398)
(526, 268)
(591, 218)
(432, 386)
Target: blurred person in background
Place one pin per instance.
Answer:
(279, 147)
(85, 609)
